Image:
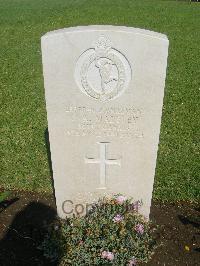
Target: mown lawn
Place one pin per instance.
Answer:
(24, 157)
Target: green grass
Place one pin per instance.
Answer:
(23, 22)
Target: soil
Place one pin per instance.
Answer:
(24, 217)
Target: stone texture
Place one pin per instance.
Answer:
(104, 88)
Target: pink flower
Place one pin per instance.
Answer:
(136, 205)
(118, 218)
(139, 228)
(110, 256)
(120, 199)
(132, 262)
(104, 254)
(107, 255)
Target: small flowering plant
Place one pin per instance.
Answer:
(118, 218)
(112, 233)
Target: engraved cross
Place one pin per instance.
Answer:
(103, 162)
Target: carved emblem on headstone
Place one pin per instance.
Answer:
(102, 72)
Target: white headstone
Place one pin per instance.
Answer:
(104, 89)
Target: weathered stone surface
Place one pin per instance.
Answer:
(104, 88)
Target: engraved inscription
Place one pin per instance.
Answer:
(102, 72)
(114, 122)
(103, 162)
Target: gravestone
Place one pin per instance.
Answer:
(104, 88)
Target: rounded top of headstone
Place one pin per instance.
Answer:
(149, 33)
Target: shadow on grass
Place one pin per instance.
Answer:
(6, 203)
(20, 243)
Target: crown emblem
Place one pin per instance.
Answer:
(102, 46)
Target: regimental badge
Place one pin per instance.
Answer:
(102, 72)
